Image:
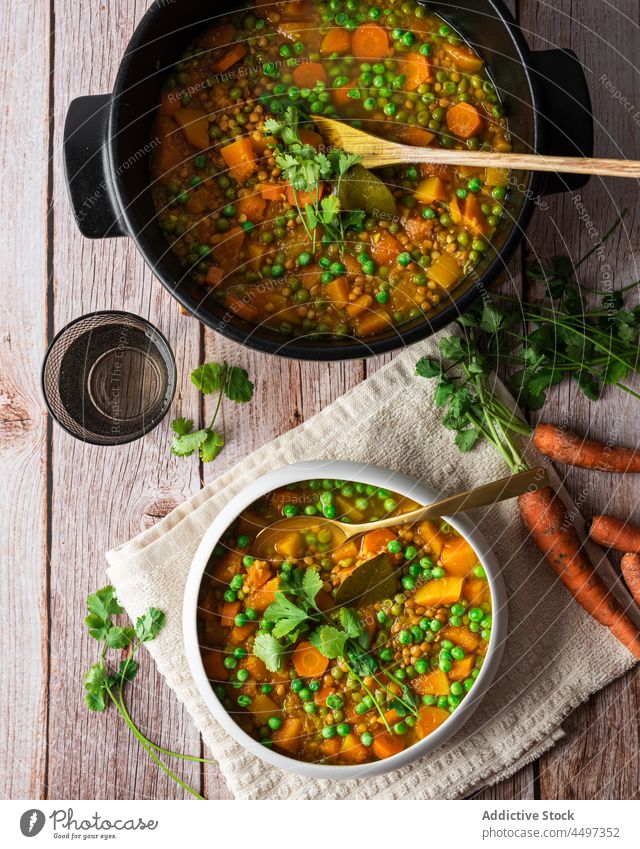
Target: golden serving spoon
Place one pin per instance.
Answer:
(378, 153)
(267, 541)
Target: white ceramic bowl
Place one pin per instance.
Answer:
(377, 476)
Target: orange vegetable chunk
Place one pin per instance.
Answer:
(417, 70)
(308, 74)
(434, 683)
(457, 557)
(376, 541)
(195, 127)
(241, 159)
(288, 736)
(440, 591)
(385, 745)
(308, 661)
(370, 41)
(430, 718)
(464, 120)
(337, 40)
(461, 669)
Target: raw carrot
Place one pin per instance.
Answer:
(337, 40)
(370, 41)
(546, 518)
(464, 120)
(308, 661)
(615, 533)
(630, 566)
(308, 74)
(567, 447)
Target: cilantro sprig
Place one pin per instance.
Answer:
(105, 682)
(340, 634)
(304, 168)
(231, 382)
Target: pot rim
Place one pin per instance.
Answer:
(273, 343)
(378, 476)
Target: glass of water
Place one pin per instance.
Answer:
(109, 377)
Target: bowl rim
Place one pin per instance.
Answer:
(377, 476)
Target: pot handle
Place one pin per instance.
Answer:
(89, 184)
(566, 111)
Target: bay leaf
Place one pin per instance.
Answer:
(370, 581)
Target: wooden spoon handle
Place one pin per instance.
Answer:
(480, 496)
(379, 156)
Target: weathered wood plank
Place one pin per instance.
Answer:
(598, 759)
(23, 424)
(103, 496)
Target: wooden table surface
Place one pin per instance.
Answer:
(67, 502)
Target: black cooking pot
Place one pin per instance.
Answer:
(108, 141)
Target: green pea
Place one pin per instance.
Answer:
(401, 727)
(386, 655)
(417, 633)
(435, 625)
(242, 541)
(343, 729)
(244, 701)
(367, 738)
(242, 675)
(230, 662)
(394, 546)
(266, 688)
(479, 572)
(328, 732)
(230, 596)
(422, 665)
(437, 572)
(457, 652)
(429, 700)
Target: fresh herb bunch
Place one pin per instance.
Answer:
(305, 168)
(104, 684)
(470, 407)
(231, 382)
(295, 614)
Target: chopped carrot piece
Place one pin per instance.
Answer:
(340, 95)
(265, 595)
(241, 159)
(240, 308)
(309, 137)
(370, 41)
(288, 736)
(434, 683)
(416, 136)
(213, 662)
(473, 216)
(385, 745)
(240, 634)
(273, 191)
(461, 669)
(337, 40)
(195, 127)
(374, 321)
(385, 248)
(308, 74)
(304, 198)
(252, 206)
(338, 290)
(464, 120)
(430, 719)
(237, 52)
(308, 661)
(230, 610)
(457, 557)
(462, 637)
(225, 567)
(331, 748)
(417, 70)
(440, 591)
(214, 276)
(376, 541)
(431, 189)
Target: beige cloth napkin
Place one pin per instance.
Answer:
(555, 655)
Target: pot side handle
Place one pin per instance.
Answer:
(566, 111)
(94, 206)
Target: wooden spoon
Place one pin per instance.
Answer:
(491, 493)
(377, 153)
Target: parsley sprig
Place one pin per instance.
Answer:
(231, 382)
(340, 634)
(304, 168)
(105, 683)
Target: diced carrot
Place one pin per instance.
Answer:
(287, 737)
(462, 636)
(464, 120)
(256, 668)
(445, 271)
(461, 669)
(376, 541)
(320, 697)
(213, 662)
(473, 216)
(338, 290)
(230, 610)
(352, 750)
(434, 683)
(370, 41)
(240, 308)
(261, 598)
(308, 74)
(416, 136)
(229, 58)
(195, 127)
(432, 537)
(227, 246)
(304, 198)
(440, 591)
(374, 321)
(385, 248)
(431, 189)
(223, 568)
(331, 748)
(214, 276)
(430, 718)
(252, 206)
(240, 634)
(340, 96)
(308, 661)
(263, 708)
(457, 557)
(416, 68)
(337, 40)
(385, 744)
(241, 159)
(361, 303)
(273, 191)
(312, 138)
